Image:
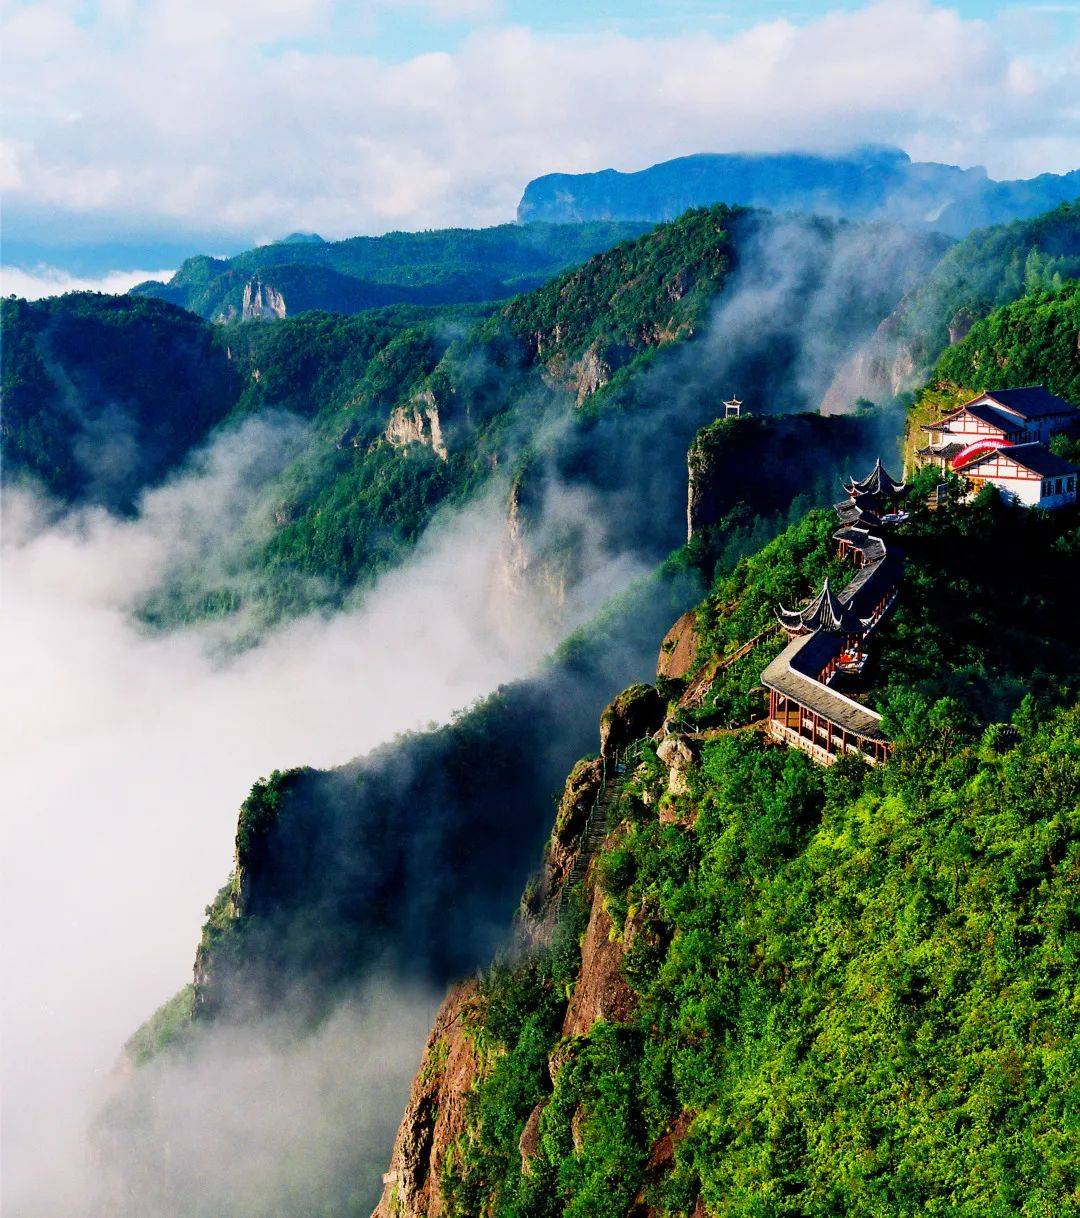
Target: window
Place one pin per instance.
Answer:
(1070, 486)
(1046, 487)
(1057, 487)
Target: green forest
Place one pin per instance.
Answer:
(435, 267)
(853, 988)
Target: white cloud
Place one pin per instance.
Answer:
(126, 755)
(50, 281)
(264, 126)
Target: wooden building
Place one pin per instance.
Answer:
(826, 636)
(1006, 416)
(1025, 473)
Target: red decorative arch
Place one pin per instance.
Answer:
(976, 449)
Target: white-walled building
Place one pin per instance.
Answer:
(1006, 416)
(1028, 473)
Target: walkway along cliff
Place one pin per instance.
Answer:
(827, 636)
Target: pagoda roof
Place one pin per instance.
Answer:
(852, 514)
(872, 548)
(877, 482)
(825, 612)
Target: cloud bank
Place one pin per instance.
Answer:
(126, 756)
(42, 280)
(278, 116)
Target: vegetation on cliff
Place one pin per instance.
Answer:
(853, 988)
(988, 269)
(105, 394)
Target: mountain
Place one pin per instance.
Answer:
(437, 267)
(765, 987)
(592, 383)
(989, 268)
(751, 966)
(103, 395)
(865, 183)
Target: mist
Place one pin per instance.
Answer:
(266, 1118)
(127, 754)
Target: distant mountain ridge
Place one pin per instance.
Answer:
(437, 267)
(864, 183)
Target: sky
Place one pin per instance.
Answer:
(138, 131)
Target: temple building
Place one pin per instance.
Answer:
(1004, 417)
(1025, 473)
(878, 484)
(824, 612)
(826, 636)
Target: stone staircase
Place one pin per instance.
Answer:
(597, 823)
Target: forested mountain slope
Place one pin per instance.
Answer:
(770, 988)
(754, 934)
(784, 990)
(103, 395)
(445, 266)
(989, 268)
(593, 384)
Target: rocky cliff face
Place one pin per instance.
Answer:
(435, 1116)
(451, 1064)
(418, 422)
(262, 302)
(895, 359)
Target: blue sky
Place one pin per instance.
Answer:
(402, 34)
(141, 129)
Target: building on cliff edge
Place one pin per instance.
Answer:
(1000, 438)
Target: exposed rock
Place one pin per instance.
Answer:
(261, 301)
(577, 1124)
(960, 326)
(581, 789)
(660, 1162)
(529, 1142)
(589, 373)
(536, 917)
(525, 570)
(602, 991)
(435, 1116)
(636, 712)
(418, 423)
(679, 647)
(678, 754)
(886, 364)
(559, 1056)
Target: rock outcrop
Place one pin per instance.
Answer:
(435, 1116)
(418, 423)
(679, 648)
(262, 302)
(679, 755)
(636, 712)
(536, 917)
(601, 990)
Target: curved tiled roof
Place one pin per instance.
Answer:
(877, 482)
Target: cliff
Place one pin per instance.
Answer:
(261, 301)
(734, 966)
(418, 422)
